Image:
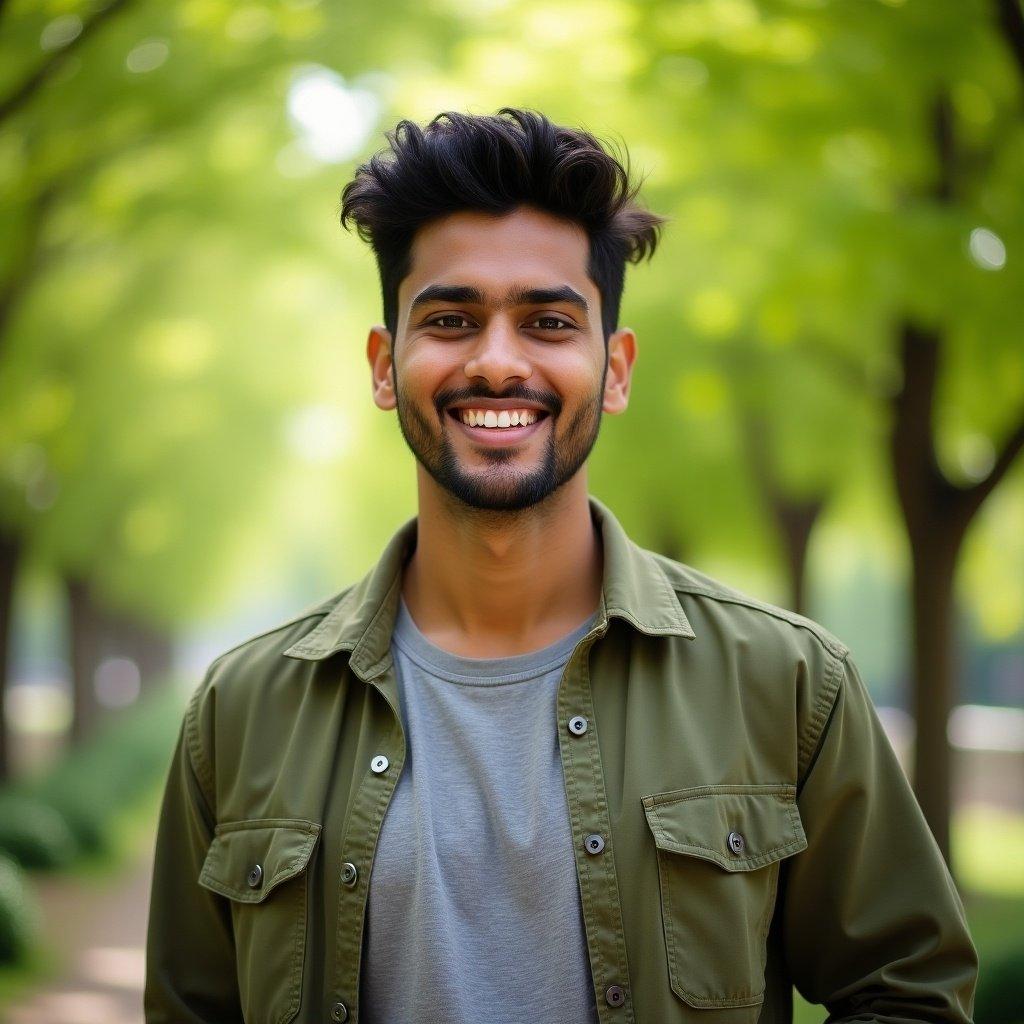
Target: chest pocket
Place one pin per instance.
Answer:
(260, 866)
(719, 850)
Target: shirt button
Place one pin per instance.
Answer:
(339, 1012)
(255, 876)
(593, 844)
(379, 764)
(349, 873)
(737, 843)
(577, 725)
(614, 996)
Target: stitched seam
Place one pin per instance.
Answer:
(735, 1000)
(244, 824)
(370, 847)
(596, 944)
(340, 916)
(818, 719)
(295, 990)
(766, 922)
(592, 946)
(663, 841)
(240, 895)
(752, 863)
(815, 629)
(669, 925)
(608, 866)
(786, 792)
(381, 664)
(200, 767)
(301, 617)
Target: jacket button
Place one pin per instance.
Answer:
(349, 873)
(593, 844)
(339, 1012)
(255, 877)
(379, 764)
(614, 996)
(577, 725)
(737, 843)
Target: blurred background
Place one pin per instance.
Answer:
(827, 409)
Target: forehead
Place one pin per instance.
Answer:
(526, 246)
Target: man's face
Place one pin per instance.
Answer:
(499, 309)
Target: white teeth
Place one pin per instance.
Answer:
(504, 418)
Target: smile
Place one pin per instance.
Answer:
(497, 437)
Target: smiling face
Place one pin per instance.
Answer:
(498, 313)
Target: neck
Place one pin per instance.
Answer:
(486, 584)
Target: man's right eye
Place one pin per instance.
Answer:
(460, 321)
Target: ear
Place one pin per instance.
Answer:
(621, 356)
(378, 352)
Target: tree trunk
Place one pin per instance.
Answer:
(83, 656)
(934, 679)
(10, 549)
(149, 647)
(937, 514)
(794, 518)
(795, 521)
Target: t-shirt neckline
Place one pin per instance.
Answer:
(510, 668)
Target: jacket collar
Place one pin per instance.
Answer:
(635, 588)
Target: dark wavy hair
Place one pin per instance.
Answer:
(495, 163)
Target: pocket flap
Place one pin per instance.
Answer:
(247, 859)
(739, 828)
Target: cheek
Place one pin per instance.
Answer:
(422, 373)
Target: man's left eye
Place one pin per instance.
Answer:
(554, 323)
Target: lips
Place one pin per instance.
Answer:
(498, 437)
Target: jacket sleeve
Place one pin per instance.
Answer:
(874, 928)
(190, 954)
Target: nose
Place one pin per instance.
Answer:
(497, 354)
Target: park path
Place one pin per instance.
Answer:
(97, 931)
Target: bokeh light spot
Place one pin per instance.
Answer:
(333, 119)
(61, 31)
(987, 249)
(147, 56)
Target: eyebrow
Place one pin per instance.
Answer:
(516, 296)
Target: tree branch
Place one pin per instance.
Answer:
(34, 81)
(27, 264)
(1012, 447)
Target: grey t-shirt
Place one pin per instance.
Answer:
(473, 910)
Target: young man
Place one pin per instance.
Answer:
(526, 770)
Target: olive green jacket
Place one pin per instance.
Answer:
(758, 831)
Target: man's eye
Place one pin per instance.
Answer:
(459, 321)
(554, 323)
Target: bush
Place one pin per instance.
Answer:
(1000, 998)
(34, 834)
(70, 810)
(18, 918)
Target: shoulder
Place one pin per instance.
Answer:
(767, 659)
(268, 646)
(249, 668)
(712, 600)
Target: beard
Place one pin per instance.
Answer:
(505, 483)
